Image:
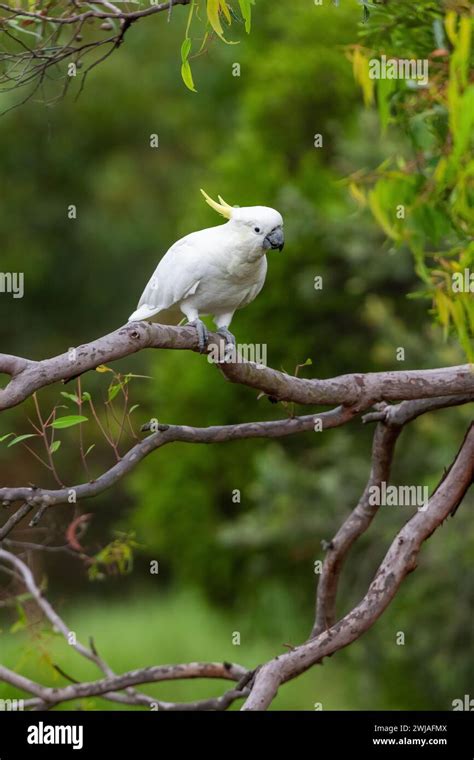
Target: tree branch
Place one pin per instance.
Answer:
(391, 420)
(361, 390)
(14, 519)
(107, 687)
(419, 391)
(385, 438)
(43, 497)
(400, 560)
(22, 65)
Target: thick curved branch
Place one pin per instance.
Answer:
(361, 390)
(421, 391)
(358, 389)
(400, 560)
(41, 497)
(47, 697)
(353, 527)
(406, 411)
(391, 420)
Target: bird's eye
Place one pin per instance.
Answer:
(256, 229)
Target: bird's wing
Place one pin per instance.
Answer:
(177, 276)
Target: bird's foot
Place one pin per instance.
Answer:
(230, 348)
(203, 334)
(227, 335)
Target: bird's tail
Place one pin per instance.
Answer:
(143, 312)
(170, 316)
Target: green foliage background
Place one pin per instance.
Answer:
(228, 566)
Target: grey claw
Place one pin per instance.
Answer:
(229, 338)
(203, 335)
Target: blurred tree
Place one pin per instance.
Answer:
(425, 200)
(45, 45)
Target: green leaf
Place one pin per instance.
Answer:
(385, 89)
(22, 621)
(213, 16)
(113, 390)
(360, 68)
(89, 449)
(16, 24)
(465, 122)
(185, 49)
(7, 435)
(132, 408)
(203, 45)
(69, 421)
(129, 375)
(187, 76)
(214, 7)
(438, 33)
(246, 11)
(225, 11)
(20, 438)
(70, 396)
(54, 446)
(365, 12)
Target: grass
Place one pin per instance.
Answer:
(158, 629)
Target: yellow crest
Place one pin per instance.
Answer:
(222, 207)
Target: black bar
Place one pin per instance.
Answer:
(137, 734)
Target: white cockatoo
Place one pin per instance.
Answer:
(214, 271)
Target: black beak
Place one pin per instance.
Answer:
(275, 239)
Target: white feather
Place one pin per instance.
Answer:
(213, 271)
